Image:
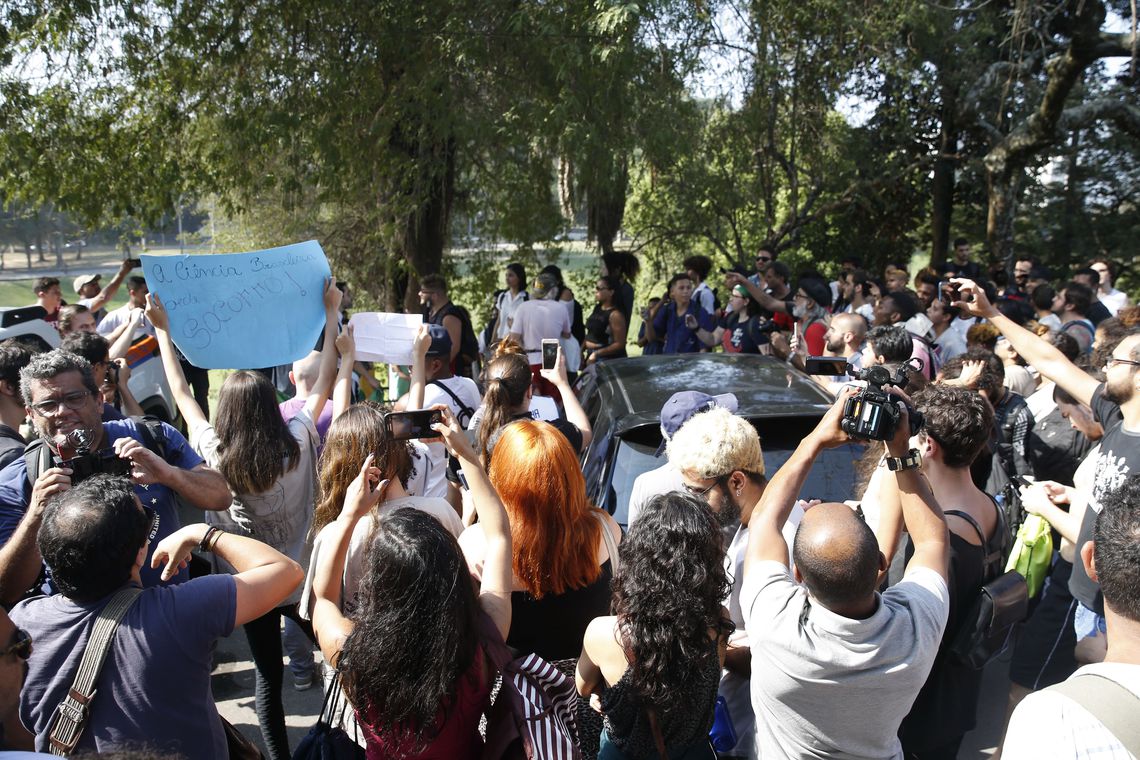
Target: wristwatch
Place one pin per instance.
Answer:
(910, 462)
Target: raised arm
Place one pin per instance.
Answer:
(1036, 351)
(762, 296)
(420, 345)
(111, 288)
(121, 337)
(923, 517)
(575, 414)
(265, 576)
(765, 537)
(127, 400)
(179, 388)
(329, 623)
(342, 389)
(20, 560)
(327, 373)
(497, 577)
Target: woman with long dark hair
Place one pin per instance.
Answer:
(655, 664)
(743, 329)
(607, 326)
(269, 465)
(508, 300)
(410, 656)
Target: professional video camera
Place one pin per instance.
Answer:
(84, 463)
(873, 413)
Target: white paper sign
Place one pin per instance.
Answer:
(383, 337)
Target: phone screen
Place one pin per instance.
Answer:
(404, 426)
(549, 354)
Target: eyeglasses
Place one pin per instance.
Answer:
(74, 401)
(1113, 361)
(153, 519)
(21, 645)
(702, 492)
(801, 295)
(765, 259)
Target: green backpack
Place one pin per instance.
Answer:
(1032, 552)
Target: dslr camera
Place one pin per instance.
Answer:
(86, 462)
(872, 413)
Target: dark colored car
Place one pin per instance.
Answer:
(623, 399)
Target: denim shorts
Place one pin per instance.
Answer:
(1088, 624)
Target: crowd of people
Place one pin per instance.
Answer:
(721, 615)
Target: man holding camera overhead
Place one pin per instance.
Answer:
(65, 407)
(835, 664)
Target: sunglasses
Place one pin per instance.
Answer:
(21, 645)
(153, 519)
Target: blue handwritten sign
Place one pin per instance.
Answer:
(243, 310)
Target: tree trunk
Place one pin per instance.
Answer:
(605, 204)
(1004, 193)
(942, 195)
(425, 230)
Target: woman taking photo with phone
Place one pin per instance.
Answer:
(411, 656)
(607, 326)
(269, 465)
(654, 666)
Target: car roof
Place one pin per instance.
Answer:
(637, 388)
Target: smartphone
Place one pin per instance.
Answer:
(825, 365)
(404, 426)
(549, 353)
(135, 263)
(1023, 481)
(948, 292)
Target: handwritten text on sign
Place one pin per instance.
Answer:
(239, 310)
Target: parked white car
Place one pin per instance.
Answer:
(148, 382)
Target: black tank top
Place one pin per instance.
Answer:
(553, 627)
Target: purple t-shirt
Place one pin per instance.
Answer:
(154, 688)
(290, 408)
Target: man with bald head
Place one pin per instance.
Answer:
(835, 664)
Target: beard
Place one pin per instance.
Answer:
(798, 311)
(729, 512)
(835, 346)
(1121, 392)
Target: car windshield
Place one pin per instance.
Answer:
(832, 476)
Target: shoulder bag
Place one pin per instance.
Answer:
(72, 713)
(1106, 700)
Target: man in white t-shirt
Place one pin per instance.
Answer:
(835, 664)
(718, 457)
(95, 297)
(109, 326)
(543, 317)
(1064, 721)
(460, 394)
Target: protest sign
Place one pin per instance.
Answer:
(243, 310)
(383, 337)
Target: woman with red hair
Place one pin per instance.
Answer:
(561, 562)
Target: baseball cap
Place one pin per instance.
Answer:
(83, 279)
(683, 405)
(542, 286)
(440, 341)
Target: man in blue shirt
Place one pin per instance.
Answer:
(65, 406)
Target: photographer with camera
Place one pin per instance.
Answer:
(823, 638)
(61, 397)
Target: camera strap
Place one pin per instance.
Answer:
(71, 716)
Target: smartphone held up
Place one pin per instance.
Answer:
(404, 426)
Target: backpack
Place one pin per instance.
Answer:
(468, 343)
(1002, 602)
(535, 714)
(38, 457)
(465, 412)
